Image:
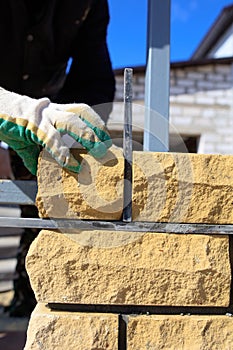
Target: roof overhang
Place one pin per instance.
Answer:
(219, 27)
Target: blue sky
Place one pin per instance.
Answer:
(190, 20)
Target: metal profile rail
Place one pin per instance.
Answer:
(17, 192)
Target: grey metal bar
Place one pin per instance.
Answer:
(127, 145)
(156, 129)
(18, 192)
(157, 227)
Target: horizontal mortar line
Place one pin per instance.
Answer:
(141, 309)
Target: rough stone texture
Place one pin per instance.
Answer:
(130, 269)
(180, 333)
(50, 330)
(167, 187)
(65, 194)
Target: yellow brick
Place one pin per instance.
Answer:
(101, 267)
(53, 330)
(168, 187)
(180, 333)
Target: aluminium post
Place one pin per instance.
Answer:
(157, 79)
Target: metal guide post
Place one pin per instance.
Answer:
(127, 145)
(156, 128)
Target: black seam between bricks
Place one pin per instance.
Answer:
(122, 332)
(142, 309)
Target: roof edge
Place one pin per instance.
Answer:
(220, 25)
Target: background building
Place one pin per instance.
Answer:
(201, 95)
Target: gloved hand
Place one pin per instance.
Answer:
(26, 124)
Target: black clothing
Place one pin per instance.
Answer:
(38, 38)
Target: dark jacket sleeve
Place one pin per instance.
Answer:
(91, 79)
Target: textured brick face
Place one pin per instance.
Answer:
(167, 187)
(130, 269)
(179, 333)
(51, 330)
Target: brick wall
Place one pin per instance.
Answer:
(134, 290)
(201, 104)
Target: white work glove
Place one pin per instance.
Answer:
(27, 123)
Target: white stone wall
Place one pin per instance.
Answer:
(201, 104)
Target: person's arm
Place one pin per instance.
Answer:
(26, 124)
(91, 78)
